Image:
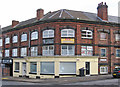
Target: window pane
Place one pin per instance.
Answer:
(67, 33)
(48, 50)
(118, 53)
(34, 51)
(86, 50)
(67, 50)
(24, 37)
(47, 67)
(7, 40)
(14, 52)
(102, 35)
(6, 53)
(103, 52)
(48, 33)
(33, 67)
(0, 42)
(15, 39)
(0, 53)
(103, 69)
(16, 66)
(86, 34)
(34, 35)
(23, 51)
(67, 68)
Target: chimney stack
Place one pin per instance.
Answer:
(40, 14)
(14, 23)
(102, 11)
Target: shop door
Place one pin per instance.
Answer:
(23, 68)
(87, 68)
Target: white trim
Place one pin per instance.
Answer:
(61, 13)
(54, 14)
(69, 14)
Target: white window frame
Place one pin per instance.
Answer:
(87, 50)
(48, 52)
(117, 53)
(7, 40)
(34, 51)
(24, 51)
(67, 52)
(7, 53)
(67, 33)
(34, 35)
(117, 37)
(1, 42)
(48, 33)
(14, 52)
(102, 33)
(1, 53)
(88, 34)
(101, 52)
(23, 37)
(105, 69)
(15, 39)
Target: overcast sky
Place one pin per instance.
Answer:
(22, 10)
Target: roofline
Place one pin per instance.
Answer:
(63, 20)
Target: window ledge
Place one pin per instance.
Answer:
(32, 72)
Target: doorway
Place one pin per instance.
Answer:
(87, 65)
(23, 69)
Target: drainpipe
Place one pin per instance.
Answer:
(29, 43)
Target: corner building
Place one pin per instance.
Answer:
(59, 43)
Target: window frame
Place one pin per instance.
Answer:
(103, 69)
(105, 52)
(86, 34)
(117, 53)
(86, 51)
(33, 72)
(7, 51)
(15, 39)
(101, 36)
(14, 52)
(21, 50)
(67, 50)
(17, 66)
(1, 42)
(34, 36)
(67, 33)
(47, 34)
(34, 51)
(117, 37)
(23, 38)
(7, 40)
(48, 51)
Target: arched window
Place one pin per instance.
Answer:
(48, 33)
(67, 33)
(23, 37)
(34, 35)
(15, 39)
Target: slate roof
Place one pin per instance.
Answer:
(66, 14)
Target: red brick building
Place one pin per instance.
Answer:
(64, 33)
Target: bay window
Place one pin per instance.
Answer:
(48, 33)
(67, 50)
(67, 33)
(48, 50)
(86, 50)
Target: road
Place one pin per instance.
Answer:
(98, 82)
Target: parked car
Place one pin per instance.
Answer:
(116, 72)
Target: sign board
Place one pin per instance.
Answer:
(7, 61)
(67, 40)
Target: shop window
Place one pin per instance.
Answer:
(34, 51)
(86, 50)
(48, 41)
(117, 37)
(14, 52)
(23, 51)
(47, 68)
(1, 42)
(48, 50)
(33, 67)
(48, 33)
(67, 68)
(15, 39)
(117, 52)
(67, 33)
(16, 66)
(103, 36)
(103, 52)
(86, 34)
(103, 70)
(0, 53)
(7, 40)
(67, 50)
(34, 35)
(6, 53)
(23, 37)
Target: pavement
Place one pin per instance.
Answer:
(63, 80)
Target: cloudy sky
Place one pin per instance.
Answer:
(25, 9)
